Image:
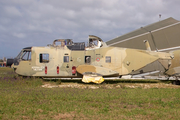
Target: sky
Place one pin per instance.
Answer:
(25, 23)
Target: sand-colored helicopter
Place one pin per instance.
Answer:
(69, 59)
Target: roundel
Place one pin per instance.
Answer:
(97, 59)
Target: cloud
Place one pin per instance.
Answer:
(19, 35)
(39, 22)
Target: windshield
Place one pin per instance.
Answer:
(24, 55)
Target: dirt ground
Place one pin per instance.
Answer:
(110, 86)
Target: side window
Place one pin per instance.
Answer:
(108, 59)
(44, 58)
(26, 55)
(87, 59)
(66, 58)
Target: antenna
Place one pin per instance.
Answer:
(159, 17)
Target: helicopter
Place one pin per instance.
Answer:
(92, 63)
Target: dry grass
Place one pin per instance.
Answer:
(26, 98)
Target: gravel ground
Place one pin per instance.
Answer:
(110, 86)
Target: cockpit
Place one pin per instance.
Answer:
(25, 55)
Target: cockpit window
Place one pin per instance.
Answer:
(19, 55)
(26, 55)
